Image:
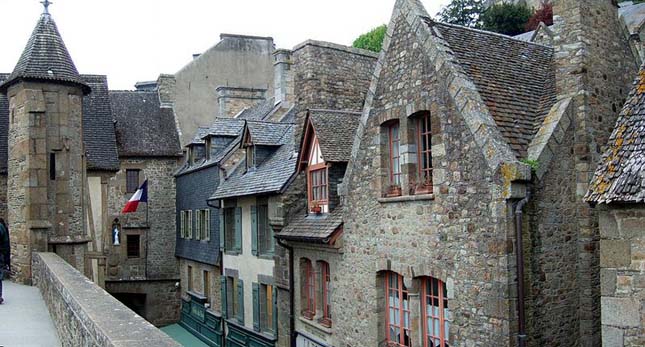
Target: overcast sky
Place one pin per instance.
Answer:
(136, 40)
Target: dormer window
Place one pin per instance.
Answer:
(250, 157)
(317, 180)
(207, 148)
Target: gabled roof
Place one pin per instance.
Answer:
(98, 126)
(271, 176)
(335, 131)
(45, 58)
(226, 127)
(198, 139)
(633, 16)
(312, 228)
(620, 177)
(261, 111)
(143, 127)
(516, 79)
(266, 133)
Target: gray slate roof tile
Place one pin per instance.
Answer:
(261, 111)
(312, 228)
(268, 133)
(98, 126)
(620, 177)
(335, 131)
(143, 127)
(45, 58)
(516, 79)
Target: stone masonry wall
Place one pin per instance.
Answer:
(84, 314)
(594, 66)
(459, 235)
(162, 298)
(215, 297)
(622, 258)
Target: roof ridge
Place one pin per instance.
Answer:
(432, 22)
(334, 111)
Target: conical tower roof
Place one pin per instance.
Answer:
(45, 59)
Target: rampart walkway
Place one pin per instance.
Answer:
(24, 319)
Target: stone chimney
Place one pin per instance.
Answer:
(283, 77)
(166, 87)
(232, 100)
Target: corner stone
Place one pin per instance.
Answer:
(615, 253)
(620, 312)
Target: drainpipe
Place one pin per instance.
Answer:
(292, 296)
(521, 333)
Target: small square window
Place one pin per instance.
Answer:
(133, 246)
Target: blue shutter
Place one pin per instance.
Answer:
(275, 310)
(256, 307)
(240, 299)
(238, 229)
(221, 230)
(254, 230)
(223, 291)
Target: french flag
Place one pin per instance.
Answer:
(141, 195)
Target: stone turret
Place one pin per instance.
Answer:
(46, 166)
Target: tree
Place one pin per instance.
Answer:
(462, 12)
(372, 40)
(544, 14)
(508, 19)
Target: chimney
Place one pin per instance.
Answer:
(283, 77)
(166, 88)
(232, 100)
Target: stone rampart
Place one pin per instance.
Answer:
(86, 315)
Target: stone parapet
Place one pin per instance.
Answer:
(85, 314)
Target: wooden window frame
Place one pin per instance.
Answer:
(266, 308)
(325, 283)
(401, 293)
(229, 228)
(207, 225)
(206, 284)
(395, 175)
(309, 288)
(265, 233)
(324, 187)
(424, 173)
(428, 295)
(130, 186)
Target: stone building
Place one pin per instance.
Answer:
(235, 61)
(439, 178)
(91, 149)
(618, 191)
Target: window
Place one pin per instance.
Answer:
(182, 224)
(206, 281)
(186, 220)
(190, 278)
(325, 283)
(203, 225)
(52, 166)
(434, 302)
(397, 315)
(424, 141)
(309, 291)
(235, 299)
(131, 180)
(318, 186)
(394, 142)
(133, 245)
(229, 225)
(250, 157)
(265, 233)
(266, 308)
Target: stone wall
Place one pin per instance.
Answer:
(84, 314)
(594, 66)
(622, 251)
(232, 100)
(215, 296)
(461, 235)
(235, 61)
(162, 298)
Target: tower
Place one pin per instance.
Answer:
(46, 159)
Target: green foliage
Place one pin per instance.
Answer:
(508, 19)
(372, 40)
(534, 164)
(462, 12)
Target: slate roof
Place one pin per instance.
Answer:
(633, 16)
(268, 133)
(261, 111)
(198, 139)
(226, 127)
(4, 128)
(312, 228)
(620, 177)
(98, 126)
(45, 58)
(515, 79)
(271, 175)
(143, 127)
(335, 131)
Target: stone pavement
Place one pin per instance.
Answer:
(24, 319)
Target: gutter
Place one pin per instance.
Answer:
(521, 321)
(292, 307)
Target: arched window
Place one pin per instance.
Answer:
(308, 290)
(397, 314)
(325, 289)
(434, 303)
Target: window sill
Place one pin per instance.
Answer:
(314, 323)
(265, 256)
(232, 253)
(404, 198)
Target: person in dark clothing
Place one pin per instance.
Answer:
(5, 253)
